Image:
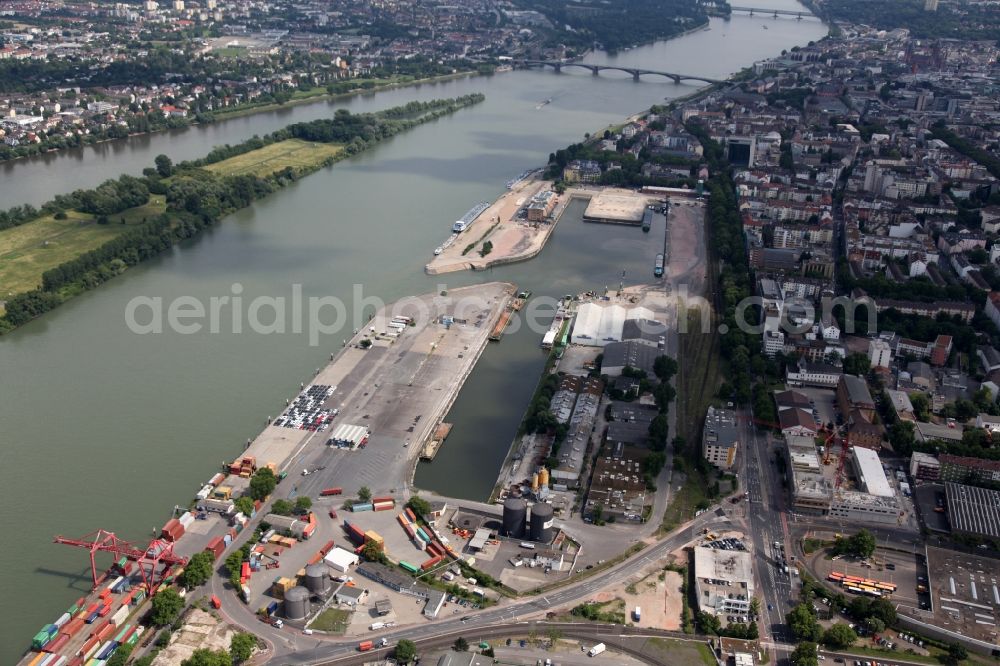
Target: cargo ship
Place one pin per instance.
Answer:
(498, 330)
(522, 298)
(461, 224)
(514, 181)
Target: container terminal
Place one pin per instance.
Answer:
(390, 385)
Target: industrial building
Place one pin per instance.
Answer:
(720, 439)
(616, 207)
(341, 560)
(349, 436)
(581, 427)
(973, 511)
(617, 487)
(597, 324)
(723, 580)
(540, 206)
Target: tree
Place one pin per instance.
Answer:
(205, 657)
(902, 438)
(875, 625)
(420, 506)
(708, 623)
(303, 504)
(863, 544)
(802, 622)
(839, 636)
(373, 552)
(406, 651)
(167, 605)
(241, 647)
(956, 653)
(461, 645)
(120, 658)
(805, 655)
(262, 484)
(198, 570)
(755, 607)
(244, 505)
(664, 367)
(365, 494)
(164, 166)
(857, 364)
(282, 507)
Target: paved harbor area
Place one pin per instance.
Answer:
(513, 236)
(399, 389)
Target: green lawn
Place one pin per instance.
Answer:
(277, 156)
(673, 651)
(332, 620)
(31, 249)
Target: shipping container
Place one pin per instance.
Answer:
(187, 520)
(105, 610)
(36, 659)
(104, 633)
(73, 627)
(217, 479)
(327, 547)
(365, 646)
(89, 647)
(412, 516)
(216, 546)
(63, 619)
(92, 618)
(423, 535)
(111, 586)
(57, 643)
(173, 530)
(120, 636)
(385, 498)
(330, 492)
(356, 508)
(409, 567)
(430, 563)
(120, 616)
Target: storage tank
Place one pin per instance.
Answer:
(541, 523)
(543, 477)
(317, 580)
(515, 515)
(296, 603)
(534, 482)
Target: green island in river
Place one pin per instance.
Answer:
(77, 241)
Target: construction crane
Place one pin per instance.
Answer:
(154, 562)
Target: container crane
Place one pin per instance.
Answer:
(154, 562)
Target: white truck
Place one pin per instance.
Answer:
(596, 650)
(637, 614)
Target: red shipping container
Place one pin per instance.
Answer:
(104, 610)
(216, 546)
(57, 644)
(73, 627)
(75, 661)
(173, 530)
(327, 548)
(245, 570)
(81, 601)
(430, 563)
(376, 500)
(91, 642)
(92, 607)
(329, 492)
(107, 630)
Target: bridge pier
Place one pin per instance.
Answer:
(594, 71)
(557, 67)
(635, 76)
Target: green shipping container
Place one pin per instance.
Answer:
(133, 640)
(40, 640)
(121, 634)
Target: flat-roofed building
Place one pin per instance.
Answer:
(723, 580)
(720, 438)
(871, 476)
(973, 511)
(962, 469)
(924, 466)
(860, 507)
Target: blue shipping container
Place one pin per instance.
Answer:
(361, 507)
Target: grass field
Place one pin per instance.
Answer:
(332, 620)
(31, 249)
(673, 651)
(275, 157)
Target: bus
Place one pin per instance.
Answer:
(870, 591)
(835, 576)
(886, 587)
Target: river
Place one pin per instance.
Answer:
(104, 428)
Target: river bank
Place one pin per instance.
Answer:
(170, 405)
(245, 110)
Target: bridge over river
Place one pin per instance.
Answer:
(558, 66)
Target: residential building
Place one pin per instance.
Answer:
(720, 439)
(853, 393)
(924, 467)
(961, 469)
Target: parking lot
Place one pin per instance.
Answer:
(824, 403)
(307, 412)
(728, 543)
(889, 566)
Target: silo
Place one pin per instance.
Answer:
(296, 603)
(543, 478)
(515, 514)
(534, 482)
(541, 522)
(317, 579)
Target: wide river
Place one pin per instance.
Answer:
(104, 428)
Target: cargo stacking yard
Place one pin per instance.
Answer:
(353, 426)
